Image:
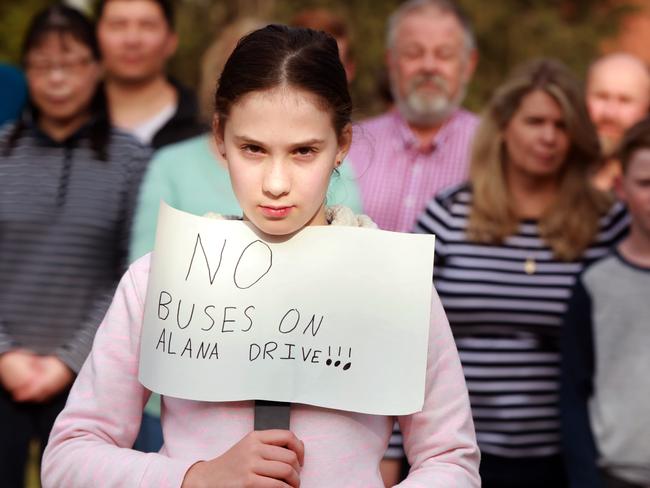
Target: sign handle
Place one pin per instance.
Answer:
(271, 415)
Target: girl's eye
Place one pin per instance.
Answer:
(305, 151)
(252, 149)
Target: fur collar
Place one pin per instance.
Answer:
(336, 215)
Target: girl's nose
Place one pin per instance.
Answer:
(277, 181)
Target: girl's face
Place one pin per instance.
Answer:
(62, 76)
(536, 138)
(281, 149)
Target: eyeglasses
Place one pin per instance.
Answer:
(66, 66)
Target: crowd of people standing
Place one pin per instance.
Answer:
(540, 206)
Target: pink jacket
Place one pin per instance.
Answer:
(90, 443)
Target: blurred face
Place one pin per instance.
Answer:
(536, 138)
(429, 66)
(281, 149)
(618, 96)
(62, 77)
(634, 189)
(135, 40)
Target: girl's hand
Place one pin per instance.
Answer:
(265, 458)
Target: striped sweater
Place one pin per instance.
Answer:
(64, 221)
(505, 305)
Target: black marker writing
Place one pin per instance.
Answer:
(199, 243)
(259, 247)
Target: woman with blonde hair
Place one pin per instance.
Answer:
(510, 243)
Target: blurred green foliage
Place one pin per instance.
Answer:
(14, 18)
(512, 31)
(508, 32)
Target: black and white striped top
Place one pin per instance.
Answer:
(505, 305)
(64, 222)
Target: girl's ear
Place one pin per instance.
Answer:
(345, 140)
(217, 133)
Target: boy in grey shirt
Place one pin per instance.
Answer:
(605, 394)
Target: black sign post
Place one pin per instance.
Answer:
(271, 415)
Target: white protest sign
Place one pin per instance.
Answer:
(333, 316)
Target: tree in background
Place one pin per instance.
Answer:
(512, 31)
(14, 19)
(508, 32)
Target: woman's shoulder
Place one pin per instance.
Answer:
(188, 149)
(6, 129)
(126, 150)
(613, 224)
(19, 134)
(187, 160)
(459, 193)
(616, 212)
(119, 138)
(449, 209)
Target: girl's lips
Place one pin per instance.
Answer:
(275, 212)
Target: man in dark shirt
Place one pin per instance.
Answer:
(137, 38)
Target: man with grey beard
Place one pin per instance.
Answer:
(618, 96)
(405, 156)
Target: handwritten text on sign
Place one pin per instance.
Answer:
(335, 317)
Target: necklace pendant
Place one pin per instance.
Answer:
(530, 266)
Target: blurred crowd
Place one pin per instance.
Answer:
(540, 206)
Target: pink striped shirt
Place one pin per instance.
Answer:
(91, 439)
(396, 177)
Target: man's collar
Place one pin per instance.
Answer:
(410, 141)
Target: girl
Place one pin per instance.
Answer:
(201, 184)
(509, 246)
(282, 124)
(68, 187)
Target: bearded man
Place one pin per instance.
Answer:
(405, 156)
(618, 96)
